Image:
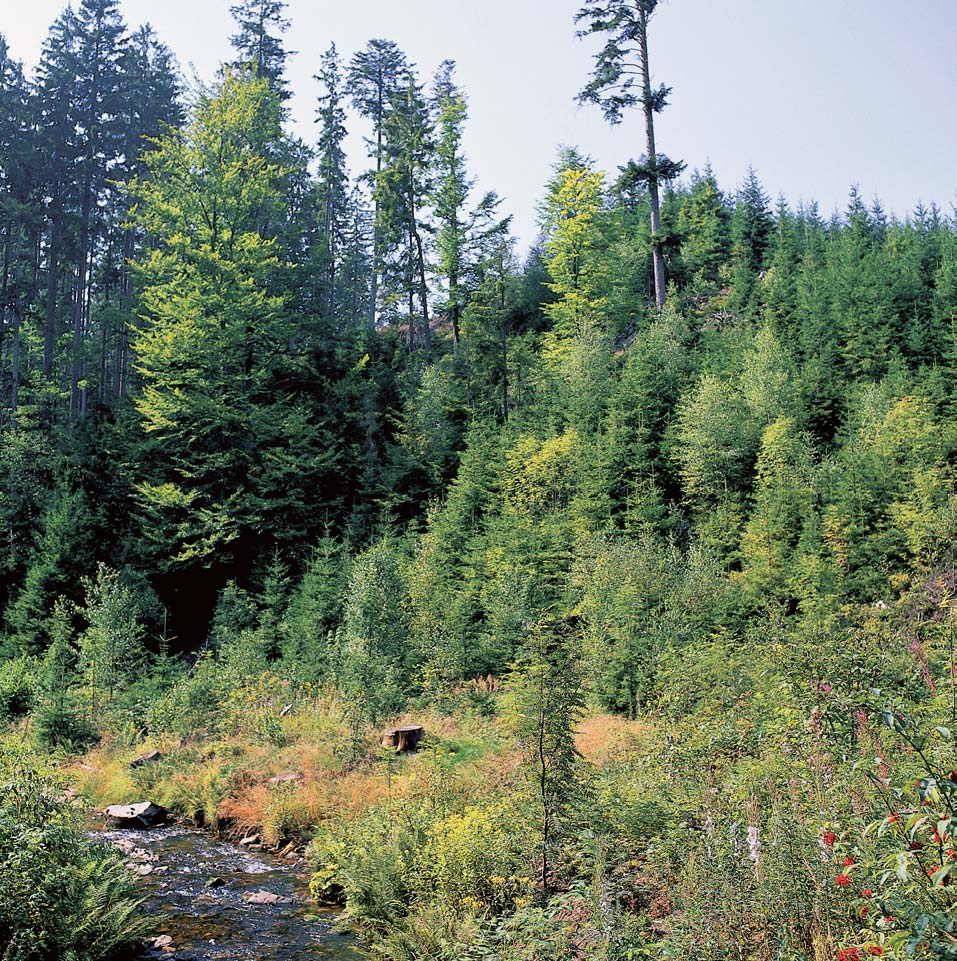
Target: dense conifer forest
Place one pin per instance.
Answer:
(651, 528)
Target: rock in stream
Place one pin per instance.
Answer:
(213, 900)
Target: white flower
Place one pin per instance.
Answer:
(754, 844)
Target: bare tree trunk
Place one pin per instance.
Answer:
(354, 284)
(374, 285)
(79, 301)
(657, 253)
(15, 365)
(504, 327)
(423, 288)
(53, 264)
(123, 334)
(410, 290)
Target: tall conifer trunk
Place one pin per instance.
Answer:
(658, 256)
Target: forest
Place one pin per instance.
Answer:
(651, 528)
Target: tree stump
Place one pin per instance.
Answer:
(403, 738)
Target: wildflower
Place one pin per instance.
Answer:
(953, 776)
(754, 844)
(848, 861)
(849, 954)
(915, 845)
(842, 880)
(874, 949)
(865, 911)
(952, 855)
(932, 870)
(829, 837)
(867, 893)
(894, 818)
(935, 837)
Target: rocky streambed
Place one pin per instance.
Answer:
(214, 900)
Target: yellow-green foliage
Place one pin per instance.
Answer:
(540, 475)
(476, 857)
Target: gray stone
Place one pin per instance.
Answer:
(144, 759)
(144, 814)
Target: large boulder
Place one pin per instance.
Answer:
(144, 814)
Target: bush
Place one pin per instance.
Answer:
(17, 688)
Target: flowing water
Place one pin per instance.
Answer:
(213, 900)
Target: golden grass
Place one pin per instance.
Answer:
(605, 738)
(226, 780)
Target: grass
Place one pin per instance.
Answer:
(223, 780)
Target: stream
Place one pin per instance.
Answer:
(214, 900)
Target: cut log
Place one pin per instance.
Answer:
(146, 814)
(149, 758)
(403, 738)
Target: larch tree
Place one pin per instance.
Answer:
(220, 403)
(622, 79)
(149, 106)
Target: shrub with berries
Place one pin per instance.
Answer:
(908, 908)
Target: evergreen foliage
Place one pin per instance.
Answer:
(287, 456)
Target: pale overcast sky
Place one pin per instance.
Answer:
(816, 94)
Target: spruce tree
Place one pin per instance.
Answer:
(20, 216)
(704, 226)
(621, 80)
(377, 75)
(546, 701)
(404, 186)
(333, 182)
(96, 104)
(752, 226)
(451, 191)
(258, 40)
(56, 81)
